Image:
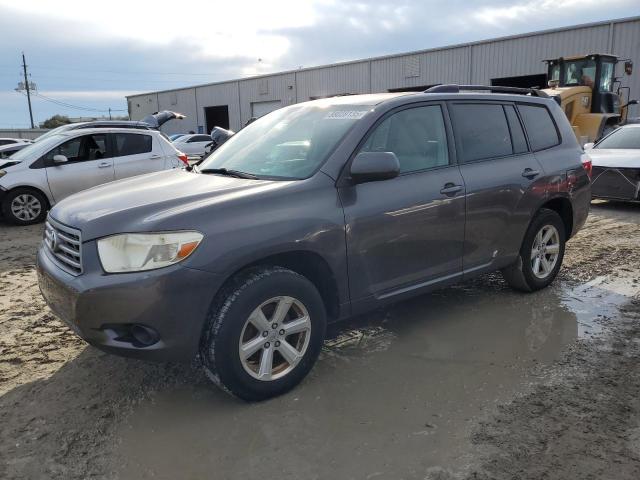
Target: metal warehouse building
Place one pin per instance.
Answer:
(515, 60)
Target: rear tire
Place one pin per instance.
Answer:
(264, 333)
(24, 206)
(541, 253)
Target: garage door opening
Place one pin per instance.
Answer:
(523, 81)
(217, 116)
(258, 109)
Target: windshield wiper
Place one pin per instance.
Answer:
(228, 172)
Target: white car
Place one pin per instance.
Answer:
(45, 172)
(193, 145)
(10, 148)
(14, 141)
(616, 165)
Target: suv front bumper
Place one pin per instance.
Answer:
(173, 301)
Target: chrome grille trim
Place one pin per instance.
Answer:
(64, 244)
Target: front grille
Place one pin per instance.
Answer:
(65, 246)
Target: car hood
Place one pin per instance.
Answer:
(155, 202)
(615, 158)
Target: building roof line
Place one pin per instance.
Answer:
(399, 55)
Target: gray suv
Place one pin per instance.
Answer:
(314, 213)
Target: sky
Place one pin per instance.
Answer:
(84, 57)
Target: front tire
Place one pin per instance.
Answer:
(24, 206)
(541, 253)
(264, 333)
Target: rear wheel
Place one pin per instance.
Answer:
(541, 253)
(264, 333)
(24, 206)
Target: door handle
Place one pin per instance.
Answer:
(104, 164)
(154, 157)
(450, 189)
(529, 173)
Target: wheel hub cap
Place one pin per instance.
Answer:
(26, 207)
(545, 251)
(275, 338)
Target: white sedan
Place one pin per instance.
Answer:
(193, 145)
(616, 165)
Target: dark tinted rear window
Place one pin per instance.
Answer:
(131, 144)
(540, 127)
(517, 134)
(481, 131)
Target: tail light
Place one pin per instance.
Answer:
(587, 164)
(184, 158)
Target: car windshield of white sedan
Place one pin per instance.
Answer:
(624, 138)
(290, 143)
(37, 149)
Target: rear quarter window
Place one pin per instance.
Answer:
(481, 131)
(540, 127)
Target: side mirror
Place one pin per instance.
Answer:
(374, 166)
(60, 159)
(628, 67)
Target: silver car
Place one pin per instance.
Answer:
(45, 172)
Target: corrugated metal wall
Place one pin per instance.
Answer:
(476, 63)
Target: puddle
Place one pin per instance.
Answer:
(597, 301)
(394, 393)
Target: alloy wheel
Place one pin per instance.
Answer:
(275, 338)
(545, 251)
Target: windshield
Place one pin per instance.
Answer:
(290, 143)
(37, 149)
(627, 138)
(55, 131)
(580, 72)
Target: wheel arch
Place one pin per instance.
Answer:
(310, 265)
(562, 206)
(32, 188)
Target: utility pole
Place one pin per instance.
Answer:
(27, 87)
(109, 113)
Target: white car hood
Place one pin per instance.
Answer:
(615, 158)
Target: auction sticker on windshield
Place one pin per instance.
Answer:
(345, 115)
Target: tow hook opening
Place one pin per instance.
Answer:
(138, 335)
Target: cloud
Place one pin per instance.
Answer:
(81, 51)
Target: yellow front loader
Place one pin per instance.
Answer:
(584, 88)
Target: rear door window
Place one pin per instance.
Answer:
(131, 144)
(481, 131)
(417, 136)
(517, 134)
(540, 127)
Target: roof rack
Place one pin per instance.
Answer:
(452, 88)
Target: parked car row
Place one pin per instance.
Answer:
(79, 156)
(312, 213)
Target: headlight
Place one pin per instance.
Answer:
(134, 252)
(2, 173)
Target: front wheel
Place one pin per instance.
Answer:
(541, 253)
(264, 333)
(24, 206)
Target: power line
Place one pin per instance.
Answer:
(77, 107)
(72, 106)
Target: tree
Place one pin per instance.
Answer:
(55, 121)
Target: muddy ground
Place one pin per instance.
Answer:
(474, 381)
